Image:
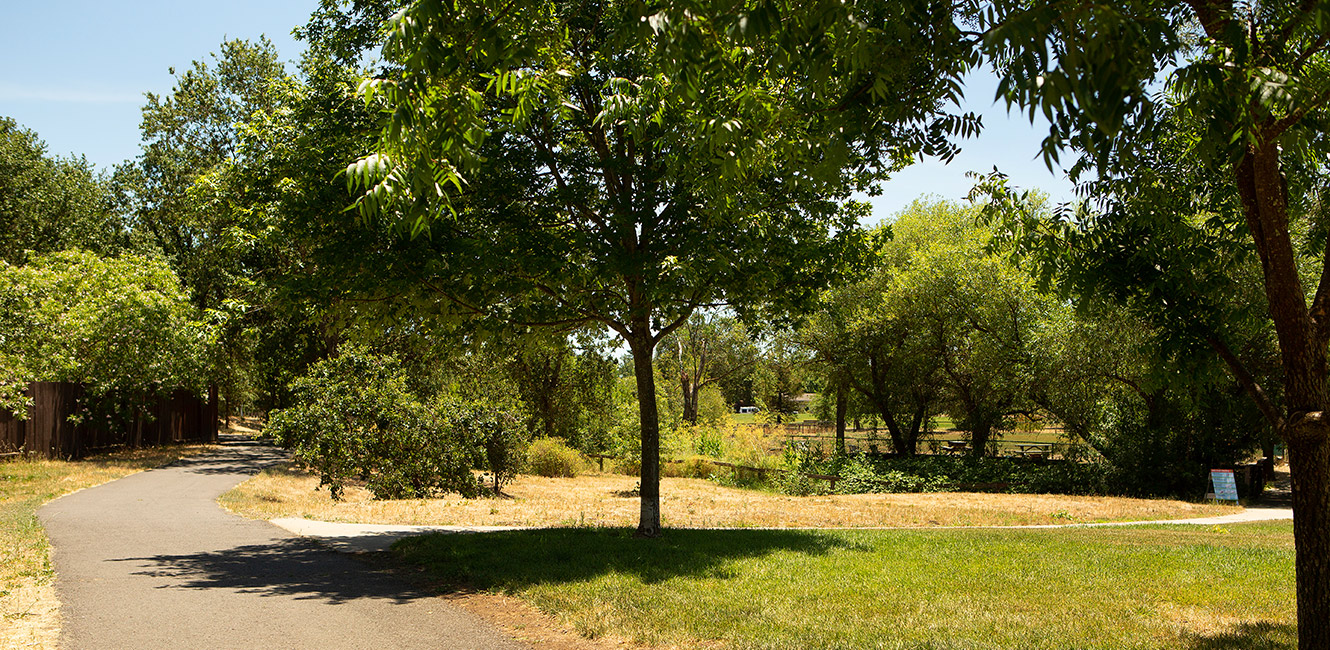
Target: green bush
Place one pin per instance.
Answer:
(551, 457)
(355, 420)
(802, 459)
(860, 476)
(495, 429)
(123, 327)
(627, 466)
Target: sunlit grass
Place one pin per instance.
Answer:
(606, 500)
(1153, 587)
(28, 616)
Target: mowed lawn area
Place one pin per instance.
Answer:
(1157, 586)
(1186, 587)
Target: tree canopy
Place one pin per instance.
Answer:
(50, 203)
(121, 326)
(588, 162)
(1231, 99)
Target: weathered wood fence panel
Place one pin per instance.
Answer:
(12, 432)
(49, 432)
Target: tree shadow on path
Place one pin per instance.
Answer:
(296, 568)
(242, 457)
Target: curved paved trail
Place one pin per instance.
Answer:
(151, 561)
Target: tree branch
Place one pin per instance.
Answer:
(1248, 382)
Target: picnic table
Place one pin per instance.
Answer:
(1035, 450)
(955, 446)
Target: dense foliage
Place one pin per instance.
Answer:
(356, 419)
(122, 326)
(50, 203)
(551, 457)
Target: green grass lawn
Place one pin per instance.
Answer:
(1189, 587)
(752, 418)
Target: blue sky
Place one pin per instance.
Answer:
(77, 70)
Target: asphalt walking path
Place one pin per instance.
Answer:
(151, 561)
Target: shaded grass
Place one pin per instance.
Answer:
(1147, 587)
(605, 500)
(27, 606)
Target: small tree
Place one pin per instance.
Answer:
(123, 327)
(779, 378)
(705, 351)
(588, 163)
(355, 418)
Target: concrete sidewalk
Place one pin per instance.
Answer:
(151, 561)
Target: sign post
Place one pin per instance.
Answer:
(1224, 485)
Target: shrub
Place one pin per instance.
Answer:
(494, 428)
(551, 457)
(627, 466)
(802, 459)
(354, 419)
(860, 476)
(123, 327)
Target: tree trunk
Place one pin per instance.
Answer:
(898, 443)
(979, 439)
(690, 398)
(642, 348)
(1309, 465)
(917, 423)
(1302, 346)
(842, 403)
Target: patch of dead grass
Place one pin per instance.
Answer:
(599, 500)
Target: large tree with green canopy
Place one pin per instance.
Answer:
(1239, 90)
(626, 164)
(49, 203)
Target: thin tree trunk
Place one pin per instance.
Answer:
(842, 404)
(649, 489)
(690, 399)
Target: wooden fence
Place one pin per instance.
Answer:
(49, 432)
(1042, 443)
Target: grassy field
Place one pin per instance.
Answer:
(607, 500)
(758, 418)
(28, 616)
(1193, 587)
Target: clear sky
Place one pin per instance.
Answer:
(76, 72)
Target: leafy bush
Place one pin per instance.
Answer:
(494, 427)
(860, 476)
(801, 460)
(864, 474)
(121, 326)
(354, 419)
(551, 457)
(708, 442)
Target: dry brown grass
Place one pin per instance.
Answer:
(606, 500)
